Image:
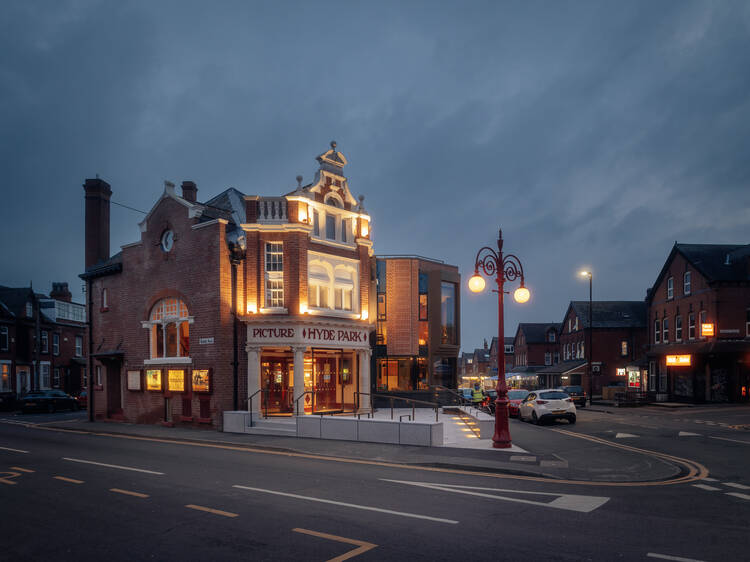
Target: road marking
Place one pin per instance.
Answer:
(738, 495)
(730, 484)
(65, 479)
(21, 469)
(687, 434)
(569, 502)
(707, 479)
(7, 479)
(128, 493)
(522, 458)
(352, 505)
(668, 557)
(624, 435)
(706, 487)
(12, 450)
(211, 510)
(362, 546)
(114, 466)
(732, 440)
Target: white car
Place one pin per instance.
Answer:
(549, 404)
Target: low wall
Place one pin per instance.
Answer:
(425, 434)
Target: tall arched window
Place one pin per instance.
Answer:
(169, 325)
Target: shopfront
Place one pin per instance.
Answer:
(314, 367)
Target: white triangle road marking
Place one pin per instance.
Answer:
(569, 502)
(623, 435)
(687, 434)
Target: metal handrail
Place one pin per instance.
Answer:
(463, 401)
(296, 401)
(433, 405)
(250, 403)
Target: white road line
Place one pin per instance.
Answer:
(738, 495)
(570, 502)
(624, 435)
(732, 440)
(114, 466)
(706, 487)
(687, 434)
(668, 557)
(354, 506)
(12, 450)
(738, 486)
(707, 479)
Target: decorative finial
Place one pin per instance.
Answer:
(299, 182)
(333, 145)
(361, 198)
(97, 176)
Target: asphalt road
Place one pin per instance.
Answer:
(71, 496)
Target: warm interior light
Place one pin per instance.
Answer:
(365, 228)
(476, 283)
(302, 213)
(522, 295)
(707, 330)
(252, 308)
(365, 315)
(302, 308)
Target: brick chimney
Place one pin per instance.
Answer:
(97, 220)
(189, 191)
(60, 292)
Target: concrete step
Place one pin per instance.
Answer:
(271, 431)
(276, 424)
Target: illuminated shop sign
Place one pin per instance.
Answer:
(620, 372)
(678, 360)
(707, 330)
(201, 380)
(313, 334)
(176, 380)
(153, 379)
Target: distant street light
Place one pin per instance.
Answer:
(504, 269)
(589, 351)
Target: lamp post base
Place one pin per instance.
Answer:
(501, 439)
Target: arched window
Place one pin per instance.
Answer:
(169, 325)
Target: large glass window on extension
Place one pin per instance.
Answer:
(169, 326)
(274, 275)
(423, 310)
(448, 313)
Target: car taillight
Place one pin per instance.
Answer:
(541, 401)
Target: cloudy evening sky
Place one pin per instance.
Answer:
(594, 134)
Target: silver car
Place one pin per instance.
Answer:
(548, 404)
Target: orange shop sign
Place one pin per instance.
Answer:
(678, 360)
(707, 330)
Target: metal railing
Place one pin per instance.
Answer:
(434, 405)
(264, 403)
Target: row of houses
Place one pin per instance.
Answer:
(688, 340)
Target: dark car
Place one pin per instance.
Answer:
(576, 393)
(82, 398)
(47, 401)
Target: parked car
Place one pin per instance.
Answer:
(47, 401)
(82, 398)
(515, 398)
(576, 393)
(546, 405)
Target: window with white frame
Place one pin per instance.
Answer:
(670, 288)
(547, 358)
(691, 326)
(578, 350)
(665, 330)
(330, 227)
(551, 336)
(652, 376)
(316, 223)
(662, 378)
(169, 326)
(702, 319)
(583, 350)
(79, 346)
(4, 339)
(678, 328)
(56, 378)
(98, 379)
(45, 342)
(332, 283)
(105, 298)
(556, 358)
(29, 310)
(575, 327)
(44, 380)
(624, 348)
(686, 283)
(657, 331)
(345, 230)
(56, 344)
(274, 275)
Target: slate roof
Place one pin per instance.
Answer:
(481, 353)
(15, 299)
(105, 267)
(537, 332)
(562, 368)
(611, 314)
(229, 205)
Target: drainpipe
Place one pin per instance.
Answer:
(90, 362)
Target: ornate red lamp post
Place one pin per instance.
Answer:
(504, 268)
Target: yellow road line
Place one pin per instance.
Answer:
(128, 493)
(21, 469)
(362, 546)
(71, 480)
(211, 510)
(698, 473)
(5, 477)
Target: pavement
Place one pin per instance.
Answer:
(546, 452)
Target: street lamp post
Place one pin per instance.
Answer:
(504, 268)
(589, 351)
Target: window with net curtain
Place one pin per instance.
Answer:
(170, 329)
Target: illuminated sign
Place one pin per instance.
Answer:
(620, 372)
(201, 380)
(176, 380)
(707, 330)
(153, 379)
(679, 360)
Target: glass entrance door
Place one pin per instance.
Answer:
(327, 377)
(276, 374)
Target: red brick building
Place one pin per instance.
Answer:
(699, 325)
(241, 297)
(535, 346)
(42, 341)
(508, 354)
(618, 338)
(418, 325)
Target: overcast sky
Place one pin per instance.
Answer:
(594, 134)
